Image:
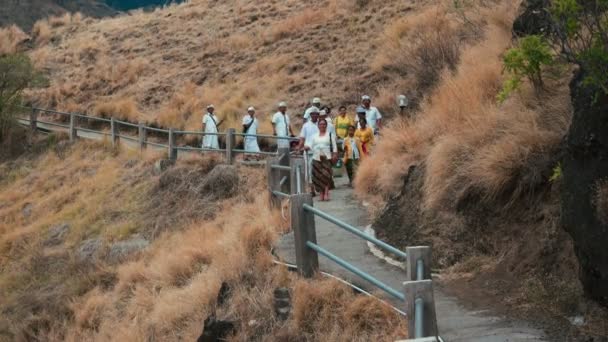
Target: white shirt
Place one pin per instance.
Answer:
(253, 129)
(281, 123)
(372, 115)
(321, 146)
(308, 131)
(210, 121)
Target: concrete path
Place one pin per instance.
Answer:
(455, 322)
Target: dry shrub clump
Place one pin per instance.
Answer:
(10, 39)
(469, 144)
(122, 109)
(328, 310)
(41, 32)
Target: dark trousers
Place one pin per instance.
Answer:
(351, 168)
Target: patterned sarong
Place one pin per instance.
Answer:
(322, 175)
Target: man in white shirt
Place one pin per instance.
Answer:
(315, 104)
(281, 125)
(372, 114)
(250, 126)
(308, 131)
(210, 125)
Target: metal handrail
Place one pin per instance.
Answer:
(151, 143)
(355, 231)
(235, 150)
(281, 167)
(157, 129)
(91, 131)
(198, 133)
(128, 137)
(92, 117)
(126, 123)
(53, 124)
(419, 318)
(202, 149)
(355, 270)
(280, 194)
(268, 136)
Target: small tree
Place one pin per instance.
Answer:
(581, 31)
(16, 74)
(526, 60)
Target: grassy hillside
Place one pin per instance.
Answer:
(164, 66)
(95, 246)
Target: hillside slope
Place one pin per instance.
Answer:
(164, 66)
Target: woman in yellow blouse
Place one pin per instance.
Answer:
(365, 135)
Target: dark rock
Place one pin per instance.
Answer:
(224, 294)
(56, 234)
(282, 303)
(123, 249)
(535, 18)
(584, 165)
(162, 165)
(27, 210)
(222, 182)
(89, 249)
(216, 330)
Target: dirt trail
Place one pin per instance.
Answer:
(456, 323)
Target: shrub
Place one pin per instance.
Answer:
(16, 74)
(579, 29)
(526, 60)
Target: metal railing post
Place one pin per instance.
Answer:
(172, 149)
(113, 131)
(414, 255)
(230, 142)
(273, 181)
(297, 175)
(284, 161)
(72, 129)
(141, 131)
(420, 308)
(303, 225)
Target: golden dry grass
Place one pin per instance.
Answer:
(10, 39)
(165, 292)
(468, 143)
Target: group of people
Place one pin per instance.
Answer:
(325, 141)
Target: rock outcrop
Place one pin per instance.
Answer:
(584, 166)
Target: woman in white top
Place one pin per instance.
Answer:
(324, 154)
(250, 126)
(210, 125)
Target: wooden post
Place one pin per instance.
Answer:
(113, 132)
(273, 181)
(284, 161)
(422, 289)
(415, 253)
(172, 149)
(141, 130)
(230, 142)
(33, 124)
(303, 225)
(293, 177)
(72, 131)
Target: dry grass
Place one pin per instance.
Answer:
(201, 236)
(469, 144)
(10, 39)
(122, 109)
(42, 33)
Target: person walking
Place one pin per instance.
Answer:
(352, 154)
(324, 153)
(372, 114)
(343, 122)
(308, 131)
(210, 129)
(365, 135)
(314, 104)
(324, 115)
(281, 126)
(250, 126)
